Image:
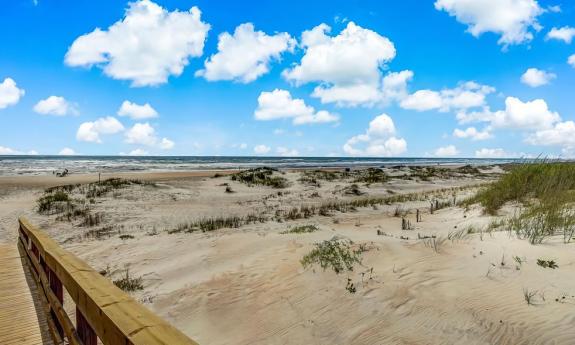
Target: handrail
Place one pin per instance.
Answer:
(102, 309)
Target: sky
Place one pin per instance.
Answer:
(411, 78)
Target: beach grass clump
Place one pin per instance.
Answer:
(547, 263)
(54, 202)
(323, 175)
(543, 220)
(370, 175)
(216, 223)
(129, 283)
(335, 254)
(263, 176)
(543, 180)
(301, 229)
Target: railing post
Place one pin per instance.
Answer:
(85, 332)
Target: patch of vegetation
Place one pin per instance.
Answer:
(126, 237)
(528, 295)
(370, 175)
(547, 263)
(468, 170)
(542, 180)
(215, 223)
(263, 176)
(313, 177)
(129, 283)
(335, 254)
(352, 189)
(301, 229)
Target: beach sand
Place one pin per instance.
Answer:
(246, 285)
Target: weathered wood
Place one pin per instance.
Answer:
(20, 322)
(115, 317)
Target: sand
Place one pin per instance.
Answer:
(247, 285)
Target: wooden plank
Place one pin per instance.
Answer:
(114, 315)
(19, 320)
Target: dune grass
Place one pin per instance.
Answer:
(335, 254)
(546, 189)
(301, 229)
(263, 176)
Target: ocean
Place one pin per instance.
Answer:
(45, 165)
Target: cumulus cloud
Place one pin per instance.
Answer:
(513, 20)
(145, 134)
(471, 133)
(571, 60)
(535, 77)
(347, 66)
(517, 114)
(90, 131)
(564, 34)
(137, 111)
(524, 115)
(465, 96)
(279, 104)
(562, 134)
(145, 47)
(261, 149)
(378, 140)
(55, 105)
(246, 55)
(285, 152)
(446, 151)
(491, 153)
(66, 151)
(10, 94)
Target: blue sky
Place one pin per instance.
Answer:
(481, 78)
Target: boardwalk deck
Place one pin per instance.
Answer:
(21, 318)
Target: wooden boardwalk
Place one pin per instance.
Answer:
(22, 319)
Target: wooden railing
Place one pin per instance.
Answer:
(103, 311)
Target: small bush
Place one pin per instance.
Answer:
(126, 237)
(260, 176)
(335, 254)
(128, 283)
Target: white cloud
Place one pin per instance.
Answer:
(10, 94)
(10, 151)
(279, 104)
(136, 111)
(166, 144)
(90, 131)
(472, 133)
(524, 115)
(446, 151)
(512, 19)
(465, 96)
(138, 152)
(562, 134)
(517, 115)
(347, 66)
(422, 100)
(571, 60)
(66, 151)
(554, 9)
(145, 134)
(261, 149)
(146, 47)
(564, 34)
(491, 153)
(245, 55)
(7, 151)
(141, 133)
(394, 85)
(378, 140)
(285, 152)
(55, 105)
(535, 77)
(243, 146)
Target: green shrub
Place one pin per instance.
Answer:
(301, 229)
(335, 254)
